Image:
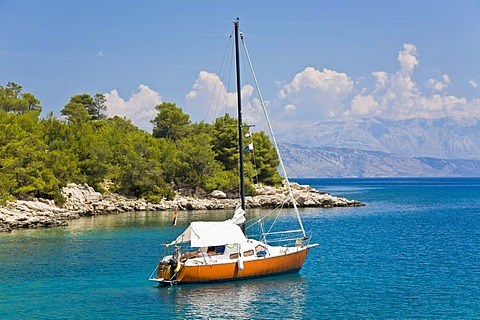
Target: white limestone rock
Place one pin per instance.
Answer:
(218, 194)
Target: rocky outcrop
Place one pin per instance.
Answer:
(82, 200)
(305, 196)
(32, 214)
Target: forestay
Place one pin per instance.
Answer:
(206, 234)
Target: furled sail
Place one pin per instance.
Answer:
(238, 216)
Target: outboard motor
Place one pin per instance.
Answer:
(173, 263)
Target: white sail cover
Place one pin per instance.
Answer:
(212, 233)
(238, 216)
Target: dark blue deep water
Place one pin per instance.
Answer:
(412, 253)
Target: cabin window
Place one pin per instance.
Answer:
(248, 253)
(215, 250)
(259, 248)
(219, 249)
(234, 255)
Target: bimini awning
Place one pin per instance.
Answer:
(212, 233)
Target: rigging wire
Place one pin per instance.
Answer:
(251, 115)
(217, 90)
(275, 212)
(229, 78)
(218, 86)
(290, 193)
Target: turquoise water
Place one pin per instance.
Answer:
(412, 253)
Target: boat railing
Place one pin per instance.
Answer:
(288, 238)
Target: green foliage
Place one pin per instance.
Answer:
(223, 180)
(39, 156)
(6, 184)
(13, 100)
(260, 165)
(197, 160)
(99, 107)
(266, 160)
(224, 140)
(84, 107)
(170, 122)
(24, 156)
(140, 172)
(75, 113)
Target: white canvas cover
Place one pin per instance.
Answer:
(212, 233)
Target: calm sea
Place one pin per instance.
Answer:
(412, 253)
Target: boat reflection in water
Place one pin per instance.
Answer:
(239, 300)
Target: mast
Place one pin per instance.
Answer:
(240, 121)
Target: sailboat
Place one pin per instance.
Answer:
(220, 250)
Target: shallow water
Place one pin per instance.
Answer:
(412, 252)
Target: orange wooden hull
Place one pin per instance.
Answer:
(288, 263)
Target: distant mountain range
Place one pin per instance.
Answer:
(383, 148)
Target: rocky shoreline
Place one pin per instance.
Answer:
(83, 200)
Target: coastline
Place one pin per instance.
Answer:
(82, 201)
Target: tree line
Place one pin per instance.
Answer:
(38, 156)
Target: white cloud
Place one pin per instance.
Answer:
(438, 85)
(290, 108)
(210, 99)
(381, 79)
(315, 94)
(363, 105)
(398, 96)
(99, 53)
(407, 58)
(140, 107)
(319, 95)
(474, 83)
(393, 95)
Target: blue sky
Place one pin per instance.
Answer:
(315, 60)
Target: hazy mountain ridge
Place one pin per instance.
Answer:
(306, 162)
(444, 138)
